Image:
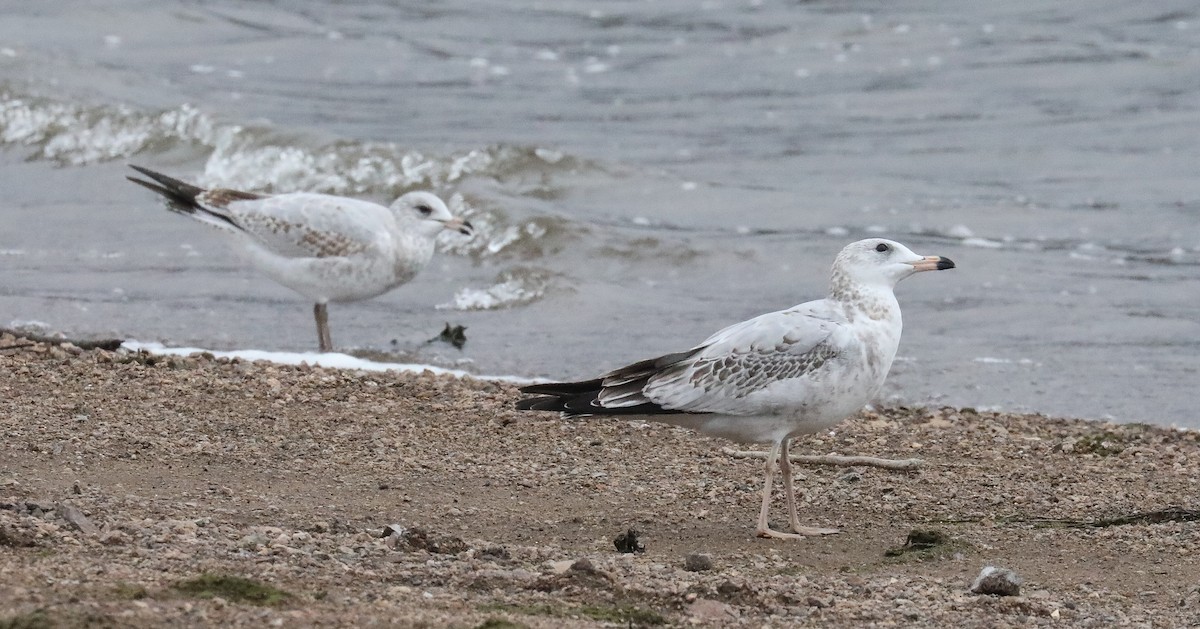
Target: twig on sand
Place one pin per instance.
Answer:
(833, 459)
(104, 344)
(1170, 514)
(15, 346)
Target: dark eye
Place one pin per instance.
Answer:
(425, 210)
(881, 247)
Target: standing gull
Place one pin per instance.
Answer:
(324, 247)
(772, 378)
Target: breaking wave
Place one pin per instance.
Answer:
(257, 157)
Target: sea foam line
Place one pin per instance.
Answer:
(330, 360)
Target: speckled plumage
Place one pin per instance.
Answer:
(325, 247)
(774, 377)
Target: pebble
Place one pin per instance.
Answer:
(698, 562)
(77, 519)
(708, 610)
(997, 581)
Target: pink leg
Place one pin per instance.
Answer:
(785, 469)
(764, 530)
(322, 316)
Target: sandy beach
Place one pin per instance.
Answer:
(142, 491)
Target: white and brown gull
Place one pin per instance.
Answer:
(325, 247)
(767, 380)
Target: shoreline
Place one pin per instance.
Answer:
(374, 361)
(290, 476)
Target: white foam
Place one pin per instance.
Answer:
(548, 155)
(330, 360)
(29, 325)
(73, 134)
(960, 231)
(992, 360)
(982, 242)
(514, 291)
(253, 158)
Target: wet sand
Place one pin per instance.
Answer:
(124, 478)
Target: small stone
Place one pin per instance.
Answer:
(583, 565)
(708, 610)
(997, 581)
(252, 541)
(114, 538)
(698, 562)
(628, 542)
(813, 601)
(495, 553)
(76, 519)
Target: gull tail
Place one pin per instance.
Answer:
(618, 392)
(575, 399)
(183, 197)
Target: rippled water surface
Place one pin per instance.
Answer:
(643, 173)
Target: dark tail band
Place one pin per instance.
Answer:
(180, 195)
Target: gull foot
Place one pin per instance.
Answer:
(801, 533)
(813, 531)
(832, 459)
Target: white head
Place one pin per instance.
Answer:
(879, 262)
(429, 213)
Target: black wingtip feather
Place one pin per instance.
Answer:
(180, 196)
(563, 388)
(170, 183)
(576, 404)
(583, 397)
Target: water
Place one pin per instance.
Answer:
(643, 173)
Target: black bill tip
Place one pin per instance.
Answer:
(467, 228)
(945, 263)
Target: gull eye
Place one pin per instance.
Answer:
(881, 247)
(425, 210)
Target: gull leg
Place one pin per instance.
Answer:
(764, 529)
(834, 460)
(321, 314)
(785, 470)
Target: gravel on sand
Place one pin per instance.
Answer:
(141, 491)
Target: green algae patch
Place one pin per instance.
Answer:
(925, 544)
(231, 588)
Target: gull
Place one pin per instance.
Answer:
(771, 378)
(325, 247)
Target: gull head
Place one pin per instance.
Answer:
(429, 213)
(880, 262)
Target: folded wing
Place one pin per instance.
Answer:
(713, 377)
(295, 225)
